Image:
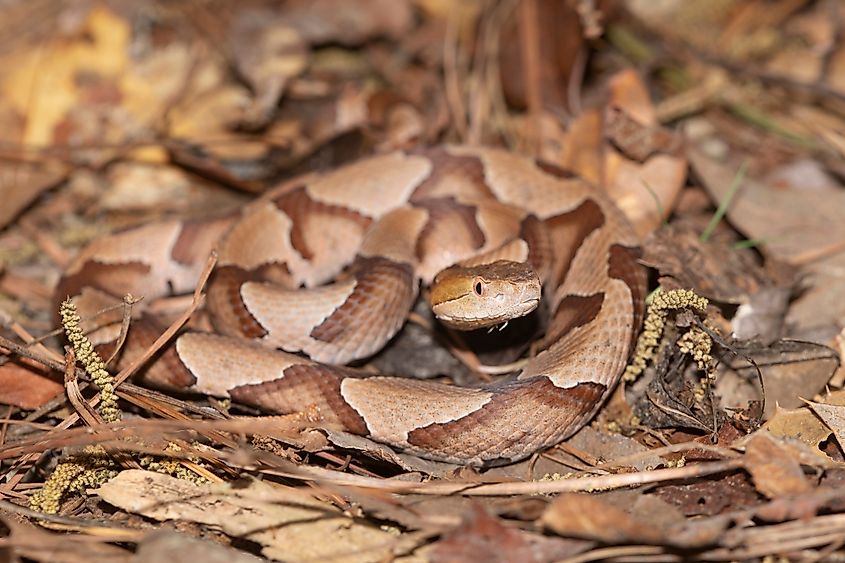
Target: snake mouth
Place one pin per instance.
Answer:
(527, 307)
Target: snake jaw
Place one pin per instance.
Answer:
(468, 298)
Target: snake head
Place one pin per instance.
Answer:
(470, 297)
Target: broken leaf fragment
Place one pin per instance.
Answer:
(290, 525)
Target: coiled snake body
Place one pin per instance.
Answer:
(360, 239)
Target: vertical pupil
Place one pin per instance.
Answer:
(478, 288)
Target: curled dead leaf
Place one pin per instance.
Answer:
(773, 468)
(289, 524)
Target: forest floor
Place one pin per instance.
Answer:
(717, 127)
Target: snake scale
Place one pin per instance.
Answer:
(323, 269)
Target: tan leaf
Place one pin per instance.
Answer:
(588, 517)
(26, 387)
(22, 182)
(644, 186)
(799, 424)
(482, 537)
(790, 219)
(289, 525)
(591, 517)
(774, 469)
(796, 223)
(792, 370)
(348, 22)
(166, 545)
(833, 417)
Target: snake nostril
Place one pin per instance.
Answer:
(479, 288)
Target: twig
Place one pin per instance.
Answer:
(87, 526)
(451, 76)
(605, 553)
(35, 343)
(529, 38)
(130, 370)
(88, 414)
(128, 302)
(502, 368)
(603, 482)
(500, 116)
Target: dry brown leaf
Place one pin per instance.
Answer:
(800, 424)
(608, 447)
(591, 517)
(173, 547)
(289, 525)
(588, 517)
(24, 541)
(794, 223)
(558, 36)
(629, 93)
(714, 269)
(833, 417)
(25, 386)
(762, 317)
(790, 220)
(683, 532)
(22, 182)
(348, 22)
(792, 370)
(708, 497)
(582, 147)
(482, 537)
(268, 53)
(773, 468)
(645, 190)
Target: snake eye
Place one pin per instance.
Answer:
(478, 288)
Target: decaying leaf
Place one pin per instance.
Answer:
(792, 370)
(709, 497)
(800, 424)
(645, 184)
(26, 386)
(792, 223)
(181, 548)
(289, 525)
(589, 517)
(833, 417)
(607, 448)
(22, 540)
(483, 538)
(712, 268)
(773, 468)
(22, 182)
(559, 41)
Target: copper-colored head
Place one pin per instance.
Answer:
(473, 297)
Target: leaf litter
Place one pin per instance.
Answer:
(116, 113)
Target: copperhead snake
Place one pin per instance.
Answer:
(328, 265)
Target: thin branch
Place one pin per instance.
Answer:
(604, 482)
